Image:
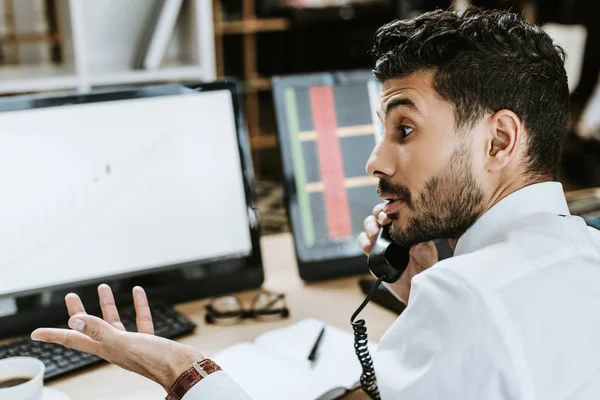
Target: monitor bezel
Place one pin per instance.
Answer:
(169, 283)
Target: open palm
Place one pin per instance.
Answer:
(156, 358)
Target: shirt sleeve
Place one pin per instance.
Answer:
(217, 385)
(445, 345)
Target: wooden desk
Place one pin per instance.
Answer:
(332, 301)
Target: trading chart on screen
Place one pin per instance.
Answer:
(332, 130)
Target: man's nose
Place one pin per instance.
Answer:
(381, 162)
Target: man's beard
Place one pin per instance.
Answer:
(447, 206)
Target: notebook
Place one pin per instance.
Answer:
(276, 366)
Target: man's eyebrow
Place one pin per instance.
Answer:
(401, 102)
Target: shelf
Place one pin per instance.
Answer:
(168, 73)
(252, 83)
(36, 78)
(251, 26)
(257, 85)
(101, 40)
(262, 142)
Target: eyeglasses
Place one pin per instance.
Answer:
(229, 310)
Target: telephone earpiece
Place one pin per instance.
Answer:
(386, 258)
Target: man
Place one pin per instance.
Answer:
(474, 107)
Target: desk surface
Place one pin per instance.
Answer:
(332, 301)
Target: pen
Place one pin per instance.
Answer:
(313, 353)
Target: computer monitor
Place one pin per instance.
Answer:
(150, 186)
(327, 128)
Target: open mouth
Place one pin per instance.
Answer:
(392, 204)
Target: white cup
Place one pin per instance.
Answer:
(20, 367)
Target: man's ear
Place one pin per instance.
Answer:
(506, 132)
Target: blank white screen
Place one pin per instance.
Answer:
(104, 189)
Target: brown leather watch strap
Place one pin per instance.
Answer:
(190, 377)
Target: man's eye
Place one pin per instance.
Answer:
(404, 131)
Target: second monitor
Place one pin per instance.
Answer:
(327, 129)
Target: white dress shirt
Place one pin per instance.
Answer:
(514, 315)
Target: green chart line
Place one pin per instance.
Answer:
(303, 201)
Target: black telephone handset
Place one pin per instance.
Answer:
(386, 258)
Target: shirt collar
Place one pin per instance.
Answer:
(547, 197)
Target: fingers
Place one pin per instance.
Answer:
(108, 307)
(142, 311)
(365, 243)
(67, 338)
(98, 330)
(366, 238)
(377, 209)
(381, 217)
(74, 304)
(371, 227)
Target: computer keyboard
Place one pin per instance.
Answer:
(60, 361)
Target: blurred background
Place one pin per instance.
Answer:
(66, 45)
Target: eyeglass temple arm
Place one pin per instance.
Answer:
(275, 300)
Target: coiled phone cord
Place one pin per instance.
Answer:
(368, 381)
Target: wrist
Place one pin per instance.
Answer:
(191, 377)
(178, 365)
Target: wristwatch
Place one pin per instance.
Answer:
(189, 378)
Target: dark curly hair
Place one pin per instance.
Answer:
(484, 61)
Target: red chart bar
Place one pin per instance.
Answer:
(330, 162)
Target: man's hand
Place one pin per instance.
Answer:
(156, 358)
(422, 256)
